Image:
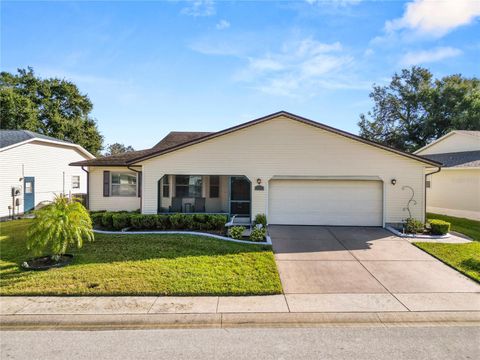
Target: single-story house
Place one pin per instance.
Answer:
(294, 170)
(455, 190)
(35, 167)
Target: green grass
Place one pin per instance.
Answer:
(468, 227)
(141, 265)
(463, 257)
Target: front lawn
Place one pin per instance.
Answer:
(463, 257)
(141, 265)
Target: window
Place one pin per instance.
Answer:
(165, 186)
(188, 186)
(124, 184)
(28, 187)
(75, 182)
(214, 186)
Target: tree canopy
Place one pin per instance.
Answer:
(53, 107)
(117, 148)
(415, 109)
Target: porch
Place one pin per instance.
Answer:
(208, 194)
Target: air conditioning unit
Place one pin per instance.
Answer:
(16, 191)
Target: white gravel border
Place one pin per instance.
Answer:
(416, 236)
(219, 237)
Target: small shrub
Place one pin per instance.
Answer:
(162, 222)
(258, 234)
(176, 220)
(217, 222)
(413, 226)
(260, 219)
(136, 221)
(439, 227)
(236, 232)
(97, 219)
(107, 221)
(121, 221)
(187, 222)
(148, 222)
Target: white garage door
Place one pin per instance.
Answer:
(325, 202)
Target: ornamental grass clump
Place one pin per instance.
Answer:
(58, 225)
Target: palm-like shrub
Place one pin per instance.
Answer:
(62, 223)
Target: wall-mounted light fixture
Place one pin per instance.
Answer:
(259, 181)
(393, 181)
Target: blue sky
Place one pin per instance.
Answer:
(153, 67)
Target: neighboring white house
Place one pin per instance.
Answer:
(294, 170)
(37, 167)
(455, 190)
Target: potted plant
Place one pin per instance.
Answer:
(55, 227)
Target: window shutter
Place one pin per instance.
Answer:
(139, 179)
(106, 183)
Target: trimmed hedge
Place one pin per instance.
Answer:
(439, 227)
(119, 220)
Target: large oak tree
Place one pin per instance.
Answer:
(415, 109)
(53, 107)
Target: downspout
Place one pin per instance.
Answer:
(141, 194)
(87, 200)
(425, 198)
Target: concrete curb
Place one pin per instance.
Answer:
(235, 320)
(213, 236)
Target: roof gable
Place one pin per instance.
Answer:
(454, 141)
(13, 138)
(209, 136)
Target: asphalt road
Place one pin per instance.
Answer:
(446, 342)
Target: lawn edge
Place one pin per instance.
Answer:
(441, 260)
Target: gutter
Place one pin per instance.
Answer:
(425, 198)
(141, 194)
(87, 201)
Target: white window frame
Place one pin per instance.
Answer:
(123, 173)
(75, 182)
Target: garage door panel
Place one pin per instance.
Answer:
(325, 202)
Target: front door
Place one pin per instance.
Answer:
(29, 194)
(240, 196)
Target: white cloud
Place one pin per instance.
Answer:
(435, 18)
(199, 8)
(428, 56)
(298, 68)
(222, 24)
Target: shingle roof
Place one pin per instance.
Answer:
(178, 137)
(11, 137)
(173, 139)
(457, 159)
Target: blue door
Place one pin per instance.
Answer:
(29, 194)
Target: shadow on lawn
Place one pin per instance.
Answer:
(471, 264)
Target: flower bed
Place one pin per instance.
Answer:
(433, 229)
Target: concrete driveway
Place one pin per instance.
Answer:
(364, 269)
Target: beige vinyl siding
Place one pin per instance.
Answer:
(47, 163)
(453, 143)
(455, 189)
(282, 146)
(111, 203)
